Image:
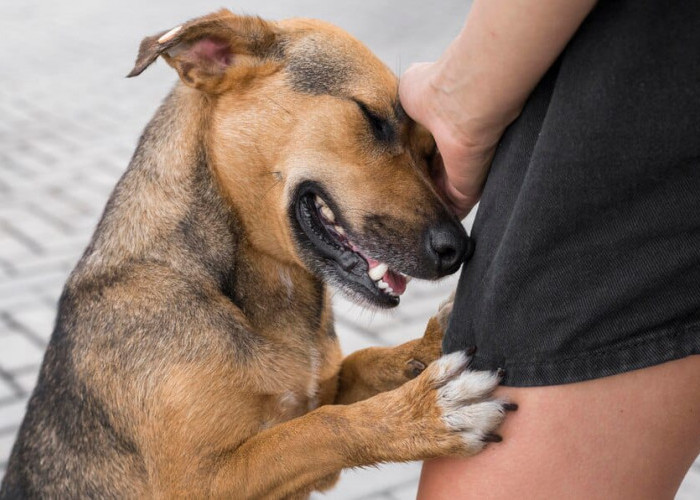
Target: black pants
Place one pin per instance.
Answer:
(587, 258)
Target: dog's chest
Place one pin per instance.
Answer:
(298, 398)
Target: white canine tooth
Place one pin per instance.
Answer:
(339, 230)
(389, 290)
(327, 213)
(406, 277)
(319, 201)
(383, 285)
(377, 272)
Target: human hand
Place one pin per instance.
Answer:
(465, 140)
(481, 82)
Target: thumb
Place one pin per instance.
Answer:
(413, 87)
(457, 201)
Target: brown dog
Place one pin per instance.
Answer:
(194, 353)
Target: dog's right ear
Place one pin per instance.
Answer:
(204, 49)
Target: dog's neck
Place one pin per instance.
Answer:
(169, 210)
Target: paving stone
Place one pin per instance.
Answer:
(690, 488)
(361, 483)
(11, 248)
(39, 320)
(351, 339)
(405, 492)
(7, 392)
(27, 381)
(6, 442)
(11, 414)
(16, 352)
(19, 299)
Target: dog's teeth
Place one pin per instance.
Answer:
(319, 201)
(383, 285)
(377, 272)
(328, 213)
(339, 230)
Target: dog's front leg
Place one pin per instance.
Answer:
(373, 370)
(447, 410)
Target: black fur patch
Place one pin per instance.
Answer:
(315, 69)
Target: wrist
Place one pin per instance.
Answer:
(460, 103)
(470, 92)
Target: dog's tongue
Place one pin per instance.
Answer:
(394, 280)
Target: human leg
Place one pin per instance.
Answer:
(632, 435)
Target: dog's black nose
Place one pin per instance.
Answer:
(447, 247)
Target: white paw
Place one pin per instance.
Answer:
(465, 388)
(448, 366)
(464, 399)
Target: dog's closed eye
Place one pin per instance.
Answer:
(381, 128)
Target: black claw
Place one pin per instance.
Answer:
(510, 407)
(471, 350)
(501, 372)
(492, 438)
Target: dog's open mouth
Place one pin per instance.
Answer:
(352, 265)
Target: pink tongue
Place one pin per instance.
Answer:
(394, 280)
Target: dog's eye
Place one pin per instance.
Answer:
(381, 128)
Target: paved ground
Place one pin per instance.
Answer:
(68, 125)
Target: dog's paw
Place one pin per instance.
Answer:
(465, 403)
(445, 311)
(464, 416)
(429, 347)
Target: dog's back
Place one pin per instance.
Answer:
(130, 304)
(66, 438)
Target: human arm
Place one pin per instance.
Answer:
(479, 85)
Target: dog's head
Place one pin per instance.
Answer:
(312, 148)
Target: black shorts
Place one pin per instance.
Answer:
(587, 259)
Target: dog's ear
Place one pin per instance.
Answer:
(204, 49)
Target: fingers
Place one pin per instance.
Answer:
(459, 167)
(414, 86)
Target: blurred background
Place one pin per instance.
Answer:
(69, 122)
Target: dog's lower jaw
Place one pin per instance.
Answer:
(325, 247)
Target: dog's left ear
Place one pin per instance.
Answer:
(204, 49)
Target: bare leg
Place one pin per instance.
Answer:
(632, 435)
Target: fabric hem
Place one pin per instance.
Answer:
(652, 349)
